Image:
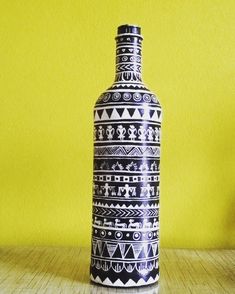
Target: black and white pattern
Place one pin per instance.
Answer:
(127, 133)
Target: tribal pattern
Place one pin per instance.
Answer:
(130, 96)
(126, 132)
(120, 164)
(125, 191)
(131, 113)
(128, 67)
(128, 150)
(126, 177)
(121, 251)
(125, 235)
(124, 212)
(113, 178)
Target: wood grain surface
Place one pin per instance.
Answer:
(66, 270)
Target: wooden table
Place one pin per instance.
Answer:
(65, 270)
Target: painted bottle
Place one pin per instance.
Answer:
(126, 178)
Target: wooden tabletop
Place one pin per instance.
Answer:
(66, 270)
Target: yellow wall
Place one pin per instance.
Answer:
(56, 57)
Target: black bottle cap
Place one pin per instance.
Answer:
(129, 29)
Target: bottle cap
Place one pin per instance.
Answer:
(129, 29)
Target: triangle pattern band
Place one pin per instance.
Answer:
(124, 251)
(129, 112)
(150, 151)
(129, 283)
(137, 206)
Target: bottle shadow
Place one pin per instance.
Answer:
(68, 264)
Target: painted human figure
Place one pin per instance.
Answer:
(157, 134)
(109, 132)
(147, 191)
(150, 133)
(96, 189)
(132, 132)
(101, 133)
(127, 189)
(158, 191)
(106, 188)
(142, 133)
(121, 131)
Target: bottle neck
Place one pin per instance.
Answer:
(128, 58)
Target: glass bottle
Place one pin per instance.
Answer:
(125, 217)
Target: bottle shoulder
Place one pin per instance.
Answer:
(136, 94)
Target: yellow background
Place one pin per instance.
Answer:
(56, 58)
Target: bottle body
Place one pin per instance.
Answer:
(126, 178)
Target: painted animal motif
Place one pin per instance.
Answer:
(155, 223)
(136, 225)
(108, 223)
(120, 225)
(97, 222)
(146, 224)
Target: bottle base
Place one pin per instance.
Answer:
(130, 283)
